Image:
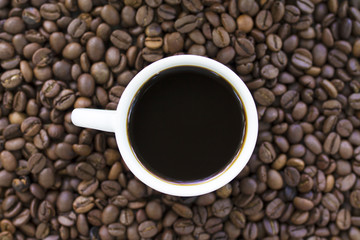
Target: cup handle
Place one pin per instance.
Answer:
(98, 119)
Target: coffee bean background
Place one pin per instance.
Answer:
(299, 58)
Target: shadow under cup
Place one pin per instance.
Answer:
(186, 125)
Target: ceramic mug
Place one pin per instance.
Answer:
(117, 121)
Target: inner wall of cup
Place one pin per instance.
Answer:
(211, 177)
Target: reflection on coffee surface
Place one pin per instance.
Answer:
(186, 124)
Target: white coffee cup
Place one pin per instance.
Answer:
(116, 121)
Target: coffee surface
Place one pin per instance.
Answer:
(186, 124)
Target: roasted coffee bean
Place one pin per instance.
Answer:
(30, 126)
(11, 78)
(7, 226)
(254, 206)
(313, 144)
(21, 184)
(303, 204)
(264, 20)
(354, 199)
(354, 101)
(244, 23)
(144, 16)
(297, 231)
(274, 180)
(57, 41)
(228, 22)
(11, 206)
(173, 43)
(87, 188)
(271, 226)
(147, 229)
(82, 224)
(291, 176)
(197, 50)
(345, 183)
(86, 85)
(152, 55)
(248, 186)
(14, 144)
(305, 6)
(292, 14)
(267, 152)
(193, 5)
(76, 28)
(121, 39)
(264, 96)
(343, 219)
(46, 178)
(275, 208)
(83, 204)
(127, 216)
(64, 201)
(95, 47)
(100, 72)
(302, 58)
(110, 214)
(36, 163)
(182, 210)
(200, 216)
(94, 217)
(319, 54)
(64, 150)
(331, 107)
(12, 131)
(110, 15)
(7, 51)
(212, 18)
(183, 226)
(289, 99)
(153, 30)
(222, 208)
(8, 161)
(337, 58)
(269, 71)
(14, 25)
(220, 37)
(345, 28)
(110, 188)
(50, 11)
(226, 55)
(332, 143)
(186, 24)
(51, 88)
(153, 3)
(329, 88)
(19, 101)
(166, 12)
(96, 160)
(274, 42)
(352, 67)
(245, 6)
(84, 171)
(153, 42)
(244, 47)
(64, 100)
(117, 230)
(330, 202)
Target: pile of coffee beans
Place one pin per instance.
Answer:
(299, 58)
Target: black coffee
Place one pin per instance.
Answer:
(186, 124)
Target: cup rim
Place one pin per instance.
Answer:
(197, 187)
